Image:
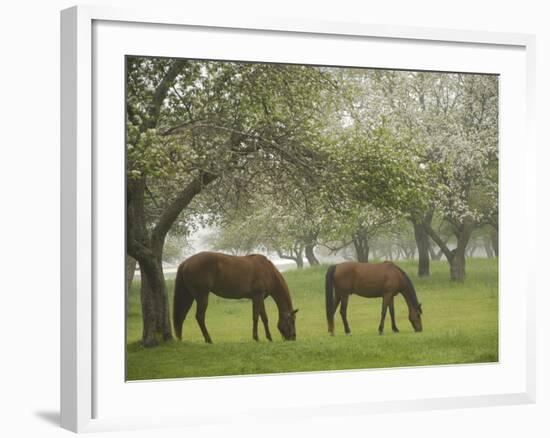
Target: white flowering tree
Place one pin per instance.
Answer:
(450, 121)
(376, 100)
(464, 159)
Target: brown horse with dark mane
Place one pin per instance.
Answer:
(252, 276)
(370, 280)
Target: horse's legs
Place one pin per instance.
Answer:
(334, 308)
(258, 310)
(386, 300)
(392, 314)
(256, 300)
(263, 315)
(182, 304)
(344, 311)
(202, 304)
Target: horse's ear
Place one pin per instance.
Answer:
(294, 311)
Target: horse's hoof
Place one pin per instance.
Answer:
(380, 332)
(395, 330)
(348, 334)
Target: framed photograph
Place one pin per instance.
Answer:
(291, 217)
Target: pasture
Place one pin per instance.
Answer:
(460, 326)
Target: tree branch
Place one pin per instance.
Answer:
(335, 250)
(286, 257)
(442, 245)
(150, 193)
(183, 199)
(273, 144)
(161, 91)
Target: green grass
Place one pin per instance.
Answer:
(460, 326)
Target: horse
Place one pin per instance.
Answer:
(370, 280)
(252, 276)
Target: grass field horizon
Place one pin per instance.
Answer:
(460, 327)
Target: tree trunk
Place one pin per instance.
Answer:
(458, 259)
(457, 256)
(488, 248)
(130, 271)
(298, 255)
(295, 256)
(423, 245)
(154, 305)
(310, 255)
(154, 299)
(147, 246)
(494, 241)
(361, 249)
(458, 265)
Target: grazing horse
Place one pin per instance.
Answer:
(252, 276)
(370, 280)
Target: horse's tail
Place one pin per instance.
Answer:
(183, 299)
(329, 297)
(411, 289)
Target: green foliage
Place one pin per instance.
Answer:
(379, 169)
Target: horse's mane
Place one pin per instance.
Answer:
(412, 290)
(278, 279)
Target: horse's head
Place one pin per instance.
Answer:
(415, 317)
(287, 325)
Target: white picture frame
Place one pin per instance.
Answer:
(92, 393)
